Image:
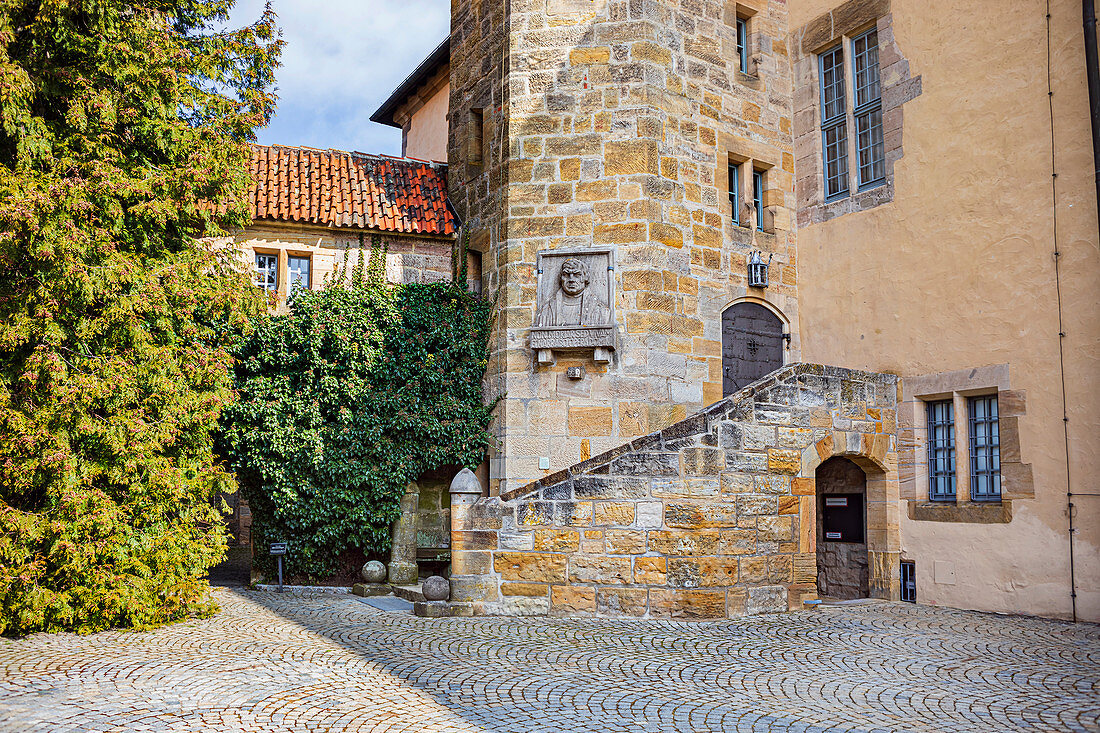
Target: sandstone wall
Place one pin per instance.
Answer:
(408, 259)
(713, 516)
(617, 121)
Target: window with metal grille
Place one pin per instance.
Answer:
(743, 45)
(834, 123)
(985, 449)
(908, 581)
(298, 268)
(267, 271)
(735, 192)
(870, 153)
(758, 197)
(941, 451)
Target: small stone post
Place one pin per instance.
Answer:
(470, 553)
(402, 569)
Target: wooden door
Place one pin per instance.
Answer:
(752, 345)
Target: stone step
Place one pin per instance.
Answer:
(411, 593)
(370, 589)
(442, 609)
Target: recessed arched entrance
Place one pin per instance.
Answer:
(873, 454)
(752, 345)
(842, 570)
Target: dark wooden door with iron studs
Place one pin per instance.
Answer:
(752, 345)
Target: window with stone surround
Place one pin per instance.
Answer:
(743, 45)
(851, 82)
(758, 197)
(752, 205)
(735, 192)
(959, 457)
(865, 116)
(740, 17)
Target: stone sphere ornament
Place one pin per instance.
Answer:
(436, 588)
(374, 572)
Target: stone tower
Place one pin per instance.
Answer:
(614, 130)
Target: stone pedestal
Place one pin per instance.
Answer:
(465, 491)
(402, 567)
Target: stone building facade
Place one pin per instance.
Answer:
(317, 211)
(614, 125)
(917, 223)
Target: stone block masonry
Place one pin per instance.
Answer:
(713, 516)
(608, 124)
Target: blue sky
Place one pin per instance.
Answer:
(341, 60)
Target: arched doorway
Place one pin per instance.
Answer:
(842, 570)
(752, 345)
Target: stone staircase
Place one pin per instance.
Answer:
(714, 516)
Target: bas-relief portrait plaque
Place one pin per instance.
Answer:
(574, 303)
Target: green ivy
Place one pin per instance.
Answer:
(358, 390)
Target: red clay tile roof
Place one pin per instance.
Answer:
(339, 189)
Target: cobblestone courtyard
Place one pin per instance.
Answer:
(271, 662)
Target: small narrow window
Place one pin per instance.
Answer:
(298, 269)
(834, 127)
(743, 45)
(475, 141)
(985, 449)
(941, 450)
(908, 581)
(868, 110)
(473, 271)
(758, 197)
(267, 269)
(735, 192)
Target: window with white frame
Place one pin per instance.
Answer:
(298, 274)
(267, 271)
(865, 116)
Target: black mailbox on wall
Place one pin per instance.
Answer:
(842, 517)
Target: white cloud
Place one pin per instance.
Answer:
(341, 60)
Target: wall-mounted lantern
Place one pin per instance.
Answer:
(758, 270)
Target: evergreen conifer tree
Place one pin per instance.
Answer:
(124, 130)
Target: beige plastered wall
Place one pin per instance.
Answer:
(958, 272)
(426, 136)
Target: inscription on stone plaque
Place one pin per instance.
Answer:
(575, 298)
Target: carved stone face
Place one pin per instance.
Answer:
(574, 277)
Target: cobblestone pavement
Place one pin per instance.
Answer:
(282, 662)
